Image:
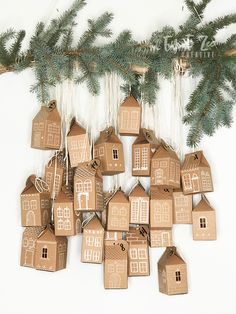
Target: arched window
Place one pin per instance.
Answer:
(87, 185)
(79, 186)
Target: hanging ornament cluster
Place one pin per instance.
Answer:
(117, 229)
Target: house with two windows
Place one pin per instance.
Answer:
(160, 237)
(109, 150)
(196, 174)
(172, 273)
(139, 205)
(88, 187)
(93, 242)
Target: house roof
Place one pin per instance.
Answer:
(161, 194)
(119, 197)
(164, 151)
(33, 232)
(138, 191)
(48, 235)
(194, 160)
(108, 136)
(94, 224)
(88, 169)
(113, 250)
(76, 129)
(203, 206)
(49, 112)
(146, 136)
(64, 196)
(130, 101)
(171, 257)
(30, 186)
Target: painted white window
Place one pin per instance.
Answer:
(159, 173)
(145, 158)
(134, 120)
(115, 222)
(26, 205)
(33, 204)
(67, 224)
(101, 151)
(163, 164)
(137, 158)
(142, 253)
(49, 178)
(120, 268)
(115, 154)
(110, 268)
(88, 255)
(143, 267)
(74, 144)
(59, 212)
(187, 181)
(134, 210)
(60, 224)
(123, 222)
(89, 240)
(144, 211)
(134, 267)
(67, 212)
(172, 171)
(125, 119)
(87, 185)
(96, 256)
(114, 211)
(206, 180)
(98, 242)
(57, 182)
(133, 253)
(79, 186)
(122, 211)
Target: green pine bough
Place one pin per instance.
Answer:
(54, 55)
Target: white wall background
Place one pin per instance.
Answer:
(79, 288)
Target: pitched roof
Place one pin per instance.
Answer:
(194, 160)
(33, 232)
(76, 129)
(164, 151)
(49, 112)
(119, 197)
(88, 169)
(108, 136)
(64, 196)
(94, 224)
(203, 206)
(146, 136)
(171, 257)
(30, 186)
(47, 235)
(161, 194)
(130, 101)
(138, 191)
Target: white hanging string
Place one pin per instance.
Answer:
(87, 220)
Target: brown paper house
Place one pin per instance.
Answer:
(161, 208)
(116, 265)
(196, 174)
(35, 205)
(165, 167)
(138, 257)
(50, 251)
(78, 144)
(182, 207)
(118, 212)
(93, 242)
(46, 128)
(88, 187)
(172, 273)
(204, 221)
(143, 149)
(139, 205)
(160, 237)
(109, 150)
(54, 174)
(29, 238)
(65, 220)
(129, 118)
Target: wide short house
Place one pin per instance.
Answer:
(165, 167)
(129, 117)
(138, 257)
(65, 220)
(118, 212)
(160, 237)
(78, 144)
(139, 205)
(196, 174)
(143, 149)
(109, 150)
(183, 205)
(93, 242)
(29, 238)
(46, 128)
(50, 251)
(88, 187)
(116, 265)
(172, 273)
(35, 205)
(204, 221)
(161, 209)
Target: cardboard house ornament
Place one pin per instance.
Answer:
(88, 187)
(29, 238)
(196, 174)
(50, 251)
(172, 273)
(165, 167)
(93, 242)
(118, 212)
(160, 237)
(66, 223)
(46, 128)
(129, 117)
(138, 256)
(116, 265)
(204, 221)
(78, 144)
(182, 207)
(35, 203)
(139, 205)
(109, 150)
(143, 149)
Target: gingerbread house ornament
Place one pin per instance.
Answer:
(93, 242)
(35, 203)
(50, 251)
(129, 118)
(138, 255)
(66, 222)
(182, 207)
(46, 128)
(109, 150)
(88, 187)
(143, 149)
(196, 174)
(204, 221)
(139, 205)
(118, 212)
(116, 265)
(78, 144)
(29, 238)
(165, 167)
(172, 273)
